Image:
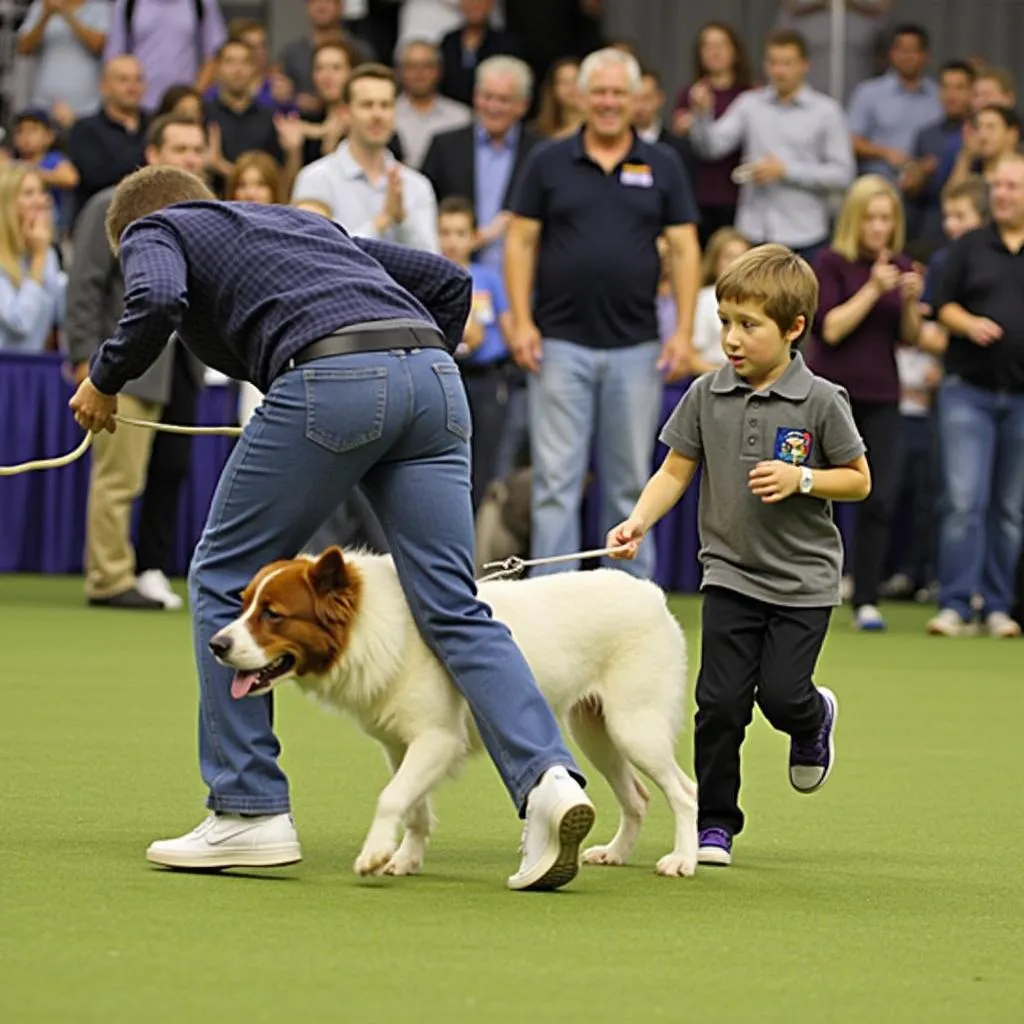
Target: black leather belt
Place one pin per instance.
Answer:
(384, 340)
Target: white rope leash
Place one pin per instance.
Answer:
(514, 565)
(66, 460)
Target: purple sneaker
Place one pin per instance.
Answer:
(811, 761)
(714, 847)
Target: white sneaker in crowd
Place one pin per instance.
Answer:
(231, 841)
(157, 587)
(947, 623)
(558, 817)
(999, 624)
(868, 619)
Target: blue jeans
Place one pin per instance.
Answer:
(398, 423)
(580, 395)
(981, 435)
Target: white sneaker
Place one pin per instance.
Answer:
(868, 619)
(947, 623)
(1000, 624)
(157, 587)
(558, 817)
(232, 841)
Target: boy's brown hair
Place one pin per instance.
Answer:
(777, 279)
(457, 205)
(147, 191)
(974, 189)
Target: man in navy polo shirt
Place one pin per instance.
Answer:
(587, 214)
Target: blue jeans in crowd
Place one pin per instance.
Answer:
(981, 436)
(398, 423)
(582, 395)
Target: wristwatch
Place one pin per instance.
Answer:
(806, 480)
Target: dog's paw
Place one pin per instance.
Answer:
(403, 863)
(674, 865)
(606, 855)
(372, 859)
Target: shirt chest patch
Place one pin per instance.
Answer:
(636, 176)
(793, 445)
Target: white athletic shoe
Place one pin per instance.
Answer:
(558, 817)
(999, 624)
(231, 841)
(947, 623)
(157, 587)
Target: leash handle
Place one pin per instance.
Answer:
(166, 428)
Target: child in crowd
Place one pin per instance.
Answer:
(34, 141)
(724, 247)
(483, 354)
(778, 445)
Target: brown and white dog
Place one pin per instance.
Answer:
(607, 654)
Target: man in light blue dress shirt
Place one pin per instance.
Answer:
(887, 113)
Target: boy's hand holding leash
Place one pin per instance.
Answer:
(624, 540)
(94, 411)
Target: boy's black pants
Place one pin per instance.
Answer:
(751, 651)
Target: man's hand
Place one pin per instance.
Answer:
(525, 343)
(93, 410)
(768, 169)
(495, 230)
(676, 355)
(626, 536)
(291, 132)
(395, 201)
(984, 331)
(774, 481)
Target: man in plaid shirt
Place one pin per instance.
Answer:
(258, 292)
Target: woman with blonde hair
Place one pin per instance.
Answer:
(560, 114)
(255, 178)
(868, 306)
(32, 287)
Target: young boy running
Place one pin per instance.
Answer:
(778, 445)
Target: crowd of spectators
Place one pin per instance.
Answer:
(595, 216)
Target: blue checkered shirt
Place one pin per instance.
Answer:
(246, 287)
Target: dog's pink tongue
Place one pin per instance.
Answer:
(243, 683)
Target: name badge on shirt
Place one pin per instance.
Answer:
(483, 308)
(793, 445)
(637, 176)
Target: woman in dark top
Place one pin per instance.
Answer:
(720, 59)
(867, 307)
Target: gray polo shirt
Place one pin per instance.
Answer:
(789, 553)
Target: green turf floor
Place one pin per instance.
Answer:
(895, 894)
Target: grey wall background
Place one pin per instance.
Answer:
(664, 29)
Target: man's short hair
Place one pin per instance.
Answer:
(146, 191)
(958, 67)
(911, 29)
(505, 64)
(1007, 115)
(778, 280)
(648, 72)
(457, 205)
(353, 55)
(377, 72)
(974, 189)
(788, 37)
(157, 130)
(233, 41)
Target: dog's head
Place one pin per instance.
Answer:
(296, 619)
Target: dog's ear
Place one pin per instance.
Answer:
(328, 574)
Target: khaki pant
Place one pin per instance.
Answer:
(117, 477)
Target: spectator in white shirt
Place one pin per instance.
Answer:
(371, 194)
(724, 247)
(421, 112)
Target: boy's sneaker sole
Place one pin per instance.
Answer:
(714, 856)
